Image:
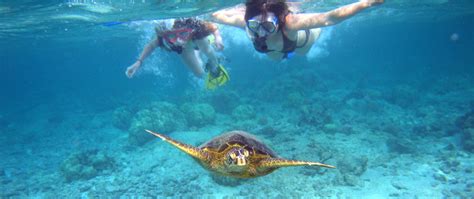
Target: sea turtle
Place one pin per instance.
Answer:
(237, 154)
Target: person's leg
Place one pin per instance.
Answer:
(191, 58)
(205, 46)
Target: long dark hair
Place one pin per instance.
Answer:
(257, 7)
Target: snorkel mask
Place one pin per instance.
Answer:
(263, 27)
(178, 36)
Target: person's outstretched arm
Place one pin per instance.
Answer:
(218, 43)
(316, 20)
(232, 16)
(145, 53)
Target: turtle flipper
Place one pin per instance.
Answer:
(278, 162)
(190, 150)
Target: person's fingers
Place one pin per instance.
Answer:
(127, 74)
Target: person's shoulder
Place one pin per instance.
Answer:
(210, 26)
(291, 18)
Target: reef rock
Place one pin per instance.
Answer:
(468, 140)
(122, 118)
(86, 165)
(162, 117)
(466, 121)
(403, 96)
(295, 99)
(401, 146)
(354, 166)
(225, 101)
(244, 112)
(199, 114)
(350, 171)
(314, 114)
(227, 181)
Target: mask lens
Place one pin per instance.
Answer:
(253, 25)
(170, 37)
(184, 35)
(269, 26)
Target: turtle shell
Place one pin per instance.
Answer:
(248, 141)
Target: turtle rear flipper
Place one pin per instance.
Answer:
(278, 162)
(190, 150)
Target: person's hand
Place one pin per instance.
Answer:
(218, 44)
(373, 2)
(132, 69)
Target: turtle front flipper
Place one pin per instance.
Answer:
(192, 151)
(278, 162)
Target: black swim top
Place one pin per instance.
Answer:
(289, 46)
(169, 47)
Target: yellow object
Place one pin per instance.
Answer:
(214, 82)
(211, 39)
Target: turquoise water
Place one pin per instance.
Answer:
(386, 96)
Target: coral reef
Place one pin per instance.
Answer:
(295, 99)
(466, 121)
(244, 112)
(227, 181)
(246, 125)
(351, 169)
(468, 140)
(163, 117)
(244, 118)
(283, 86)
(86, 165)
(400, 145)
(122, 118)
(466, 124)
(224, 101)
(314, 114)
(403, 95)
(199, 114)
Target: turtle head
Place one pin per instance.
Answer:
(237, 157)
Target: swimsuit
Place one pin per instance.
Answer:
(289, 46)
(168, 46)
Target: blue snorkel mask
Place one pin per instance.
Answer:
(263, 27)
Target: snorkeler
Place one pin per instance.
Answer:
(187, 37)
(279, 33)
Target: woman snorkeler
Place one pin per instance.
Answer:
(188, 37)
(279, 33)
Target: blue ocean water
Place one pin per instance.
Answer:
(386, 96)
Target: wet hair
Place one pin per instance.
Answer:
(163, 26)
(187, 22)
(262, 7)
(201, 28)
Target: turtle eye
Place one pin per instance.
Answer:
(233, 156)
(246, 153)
